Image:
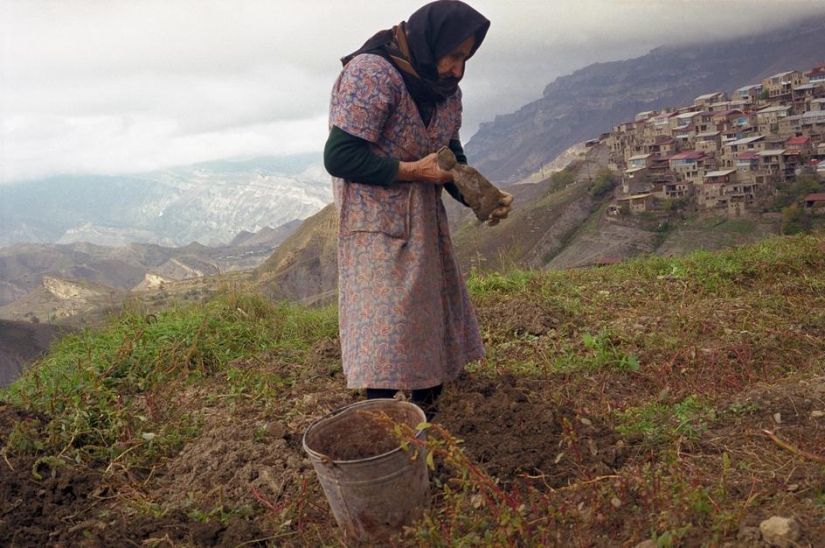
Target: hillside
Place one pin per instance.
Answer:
(547, 229)
(589, 102)
(209, 203)
(678, 401)
(22, 266)
(304, 267)
(21, 343)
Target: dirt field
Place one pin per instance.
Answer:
(246, 461)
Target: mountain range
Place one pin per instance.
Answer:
(591, 101)
(209, 203)
(244, 210)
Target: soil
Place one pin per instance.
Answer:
(357, 433)
(248, 464)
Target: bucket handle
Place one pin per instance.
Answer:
(326, 460)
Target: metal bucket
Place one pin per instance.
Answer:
(373, 485)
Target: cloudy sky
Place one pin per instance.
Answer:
(123, 86)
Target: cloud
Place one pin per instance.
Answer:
(122, 86)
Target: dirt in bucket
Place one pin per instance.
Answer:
(361, 434)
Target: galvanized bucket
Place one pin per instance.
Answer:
(373, 485)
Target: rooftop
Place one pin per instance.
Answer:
(777, 108)
(688, 155)
(720, 173)
(798, 140)
(747, 140)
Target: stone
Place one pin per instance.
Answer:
(780, 532)
(479, 193)
(276, 430)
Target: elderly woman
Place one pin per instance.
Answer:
(406, 322)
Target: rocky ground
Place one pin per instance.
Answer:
(247, 461)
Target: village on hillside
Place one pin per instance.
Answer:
(723, 153)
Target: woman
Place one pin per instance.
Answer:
(406, 322)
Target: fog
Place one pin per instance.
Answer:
(108, 87)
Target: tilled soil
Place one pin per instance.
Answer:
(238, 482)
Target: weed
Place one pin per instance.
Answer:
(662, 423)
(607, 354)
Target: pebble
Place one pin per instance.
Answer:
(276, 430)
(780, 532)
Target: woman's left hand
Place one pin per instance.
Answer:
(425, 170)
(502, 211)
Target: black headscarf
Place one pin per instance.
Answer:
(415, 46)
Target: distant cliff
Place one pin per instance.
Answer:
(591, 101)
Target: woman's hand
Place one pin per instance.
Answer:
(424, 170)
(502, 211)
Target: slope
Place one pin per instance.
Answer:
(591, 101)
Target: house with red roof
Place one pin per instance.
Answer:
(747, 161)
(800, 144)
(815, 203)
(817, 75)
(688, 165)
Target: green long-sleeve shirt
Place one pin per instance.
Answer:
(349, 157)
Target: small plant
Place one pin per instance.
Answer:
(607, 355)
(660, 423)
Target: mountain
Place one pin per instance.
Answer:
(20, 344)
(266, 236)
(209, 203)
(549, 227)
(23, 267)
(305, 266)
(589, 102)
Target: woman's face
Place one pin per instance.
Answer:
(452, 64)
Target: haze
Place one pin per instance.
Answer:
(111, 87)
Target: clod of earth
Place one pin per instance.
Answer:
(479, 193)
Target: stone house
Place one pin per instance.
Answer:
(780, 86)
(754, 143)
(749, 94)
(709, 142)
(815, 203)
(711, 189)
(772, 164)
(662, 124)
(640, 160)
(791, 163)
(688, 165)
(799, 144)
(813, 123)
(802, 95)
(637, 203)
(635, 180)
(708, 99)
(746, 162)
(816, 75)
(767, 118)
(685, 137)
(790, 126)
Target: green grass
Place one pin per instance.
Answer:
(99, 385)
(656, 349)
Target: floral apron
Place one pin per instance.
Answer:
(406, 321)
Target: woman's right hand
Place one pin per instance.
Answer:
(424, 170)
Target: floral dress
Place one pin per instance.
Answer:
(406, 321)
